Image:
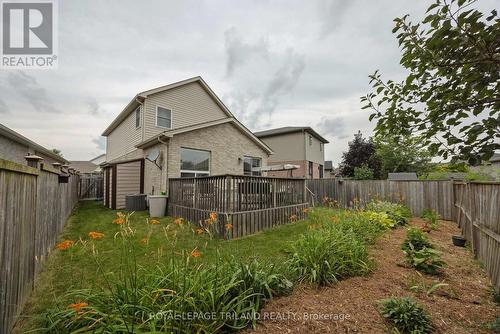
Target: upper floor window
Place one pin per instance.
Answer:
(138, 117)
(163, 117)
(250, 166)
(310, 140)
(194, 162)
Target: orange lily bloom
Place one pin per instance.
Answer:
(65, 244)
(195, 253)
(78, 306)
(213, 216)
(200, 231)
(96, 235)
(229, 227)
(178, 221)
(154, 222)
(119, 221)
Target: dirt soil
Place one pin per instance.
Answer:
(465, 305)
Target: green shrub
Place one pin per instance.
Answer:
(363, 173)
(426, 260)
(381, 218)
(362, 224)
(431, 216)
(328, 255)
(406, 316)
(417, 238)
(398, 213)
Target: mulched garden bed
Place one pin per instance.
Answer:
(465, 305)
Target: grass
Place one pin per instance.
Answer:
(76, 268)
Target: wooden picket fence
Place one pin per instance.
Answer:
(417, 195)
(33, 209)
(477, 212)
(91, 187)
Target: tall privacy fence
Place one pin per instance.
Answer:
(474, 206)
(34, 205)
(91, 187)
(248, 204)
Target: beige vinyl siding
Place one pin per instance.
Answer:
(288, 146)
(104, 185)
(110, 190)
(122, 139)
(190, 104)
(128, 181)
(313, 152)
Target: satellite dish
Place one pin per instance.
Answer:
(153, 157)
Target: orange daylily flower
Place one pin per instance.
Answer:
(200, 231)
(96, 235)
(65, 244)
(119, 221)
(229, 227)
(154, 222)
(334, 219)
(208, 221)
(305, 210)
(293, 218)
(195, 253)
(77, 306)
(213, 215)
(178, 221)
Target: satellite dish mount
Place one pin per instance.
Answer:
(153, 157)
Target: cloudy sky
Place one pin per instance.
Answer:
(273, 63)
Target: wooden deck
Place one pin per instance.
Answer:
(249, 203)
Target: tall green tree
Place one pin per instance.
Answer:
(360, 154)
(451, 94)
(402, 154)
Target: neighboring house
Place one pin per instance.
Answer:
(85, 167)
(330, 171)
(300, 146)
(188, 132)
(14, 147)
(490, 167)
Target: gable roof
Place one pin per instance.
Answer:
(83, 166)
(134, 103)
(170, 133)
(18, 138)
(290, 129)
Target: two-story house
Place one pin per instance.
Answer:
(294, 145)
(185, 130)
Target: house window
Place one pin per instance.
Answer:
(163, 117)
(310, 140)
(249, 163)
(194, 163)
(310, 170)
(138, 117)
(320, 168)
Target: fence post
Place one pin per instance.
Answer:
(228, 194)
(274, 193)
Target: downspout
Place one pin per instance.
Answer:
(165, 162)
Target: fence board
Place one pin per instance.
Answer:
(33, 209)
(417, 195)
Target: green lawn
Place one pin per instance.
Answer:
(83, 264)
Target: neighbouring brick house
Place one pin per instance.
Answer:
(300, 146)
(190, 131)
(15, 147)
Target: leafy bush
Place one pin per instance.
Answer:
(431, 216)
(363, 173)
(406, 316)
(417, 239)
(398, 213)
(381, 218)
(426, 260)
(328, 255)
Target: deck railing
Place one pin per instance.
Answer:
(235, 193)
(248, 204)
